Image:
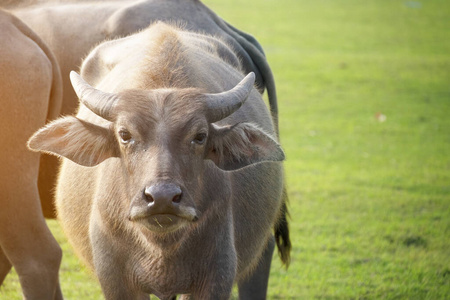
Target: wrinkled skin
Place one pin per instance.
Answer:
(30, 93)
(158, 194)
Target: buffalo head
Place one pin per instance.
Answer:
(160, 140)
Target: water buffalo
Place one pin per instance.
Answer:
(30, 94)
(72, 28)
(171, 181)
(71, 37)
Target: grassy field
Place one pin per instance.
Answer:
(364, 93)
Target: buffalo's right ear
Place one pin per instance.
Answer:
(83, 143)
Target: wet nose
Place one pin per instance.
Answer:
(163, 194)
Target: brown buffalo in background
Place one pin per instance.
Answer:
(30, 95)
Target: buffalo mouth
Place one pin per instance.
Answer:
(164, 221)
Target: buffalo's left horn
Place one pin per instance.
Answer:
(98, 102)
(221, 105)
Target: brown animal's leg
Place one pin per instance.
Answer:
(255, 286)
(5, 266)
(29, 244)
(58, 292)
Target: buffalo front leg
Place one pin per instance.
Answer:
(255, 286)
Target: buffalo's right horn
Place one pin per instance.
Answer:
(221, 105)
(98, 102)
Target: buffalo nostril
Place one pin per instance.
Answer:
(148, 196)
(176, 198)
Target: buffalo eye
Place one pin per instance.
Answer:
(200, 138)
(125, 136)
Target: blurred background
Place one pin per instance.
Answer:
(364, 97)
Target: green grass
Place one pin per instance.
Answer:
(369, 200)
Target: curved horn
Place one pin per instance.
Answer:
(221, 105)
(98, 102)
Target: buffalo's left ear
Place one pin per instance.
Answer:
(240, 145)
